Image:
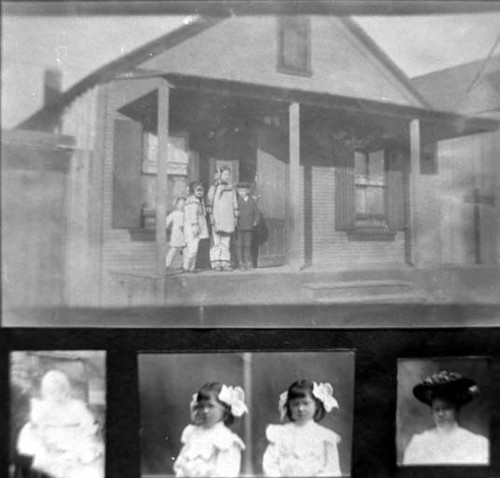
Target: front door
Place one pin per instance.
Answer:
(272, 193)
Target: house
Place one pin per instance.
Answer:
(339, 143)
(468, 180)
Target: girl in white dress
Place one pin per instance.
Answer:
(175, 221)
(302, 447)
(447, 443)
(210, 448)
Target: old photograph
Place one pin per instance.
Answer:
(249, 414)
(57, 414)
(230, 153)
(443, 411)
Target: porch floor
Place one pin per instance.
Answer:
(375, 283)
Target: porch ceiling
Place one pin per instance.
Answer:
(443, 125)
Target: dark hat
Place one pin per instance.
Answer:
(449, 385)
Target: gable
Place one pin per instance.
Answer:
(246, 49)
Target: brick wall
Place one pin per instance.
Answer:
(324, 244)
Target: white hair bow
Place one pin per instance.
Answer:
(235, 398)
(324, 393)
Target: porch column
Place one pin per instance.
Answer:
(294, 256)
(412, 248)
(161, 187)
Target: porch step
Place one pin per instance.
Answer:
(359, 290)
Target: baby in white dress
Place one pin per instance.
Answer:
(302, 447)
(62, 435)
(210, 448)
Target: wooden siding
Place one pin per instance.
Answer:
(445, 207)
(340, 64)
(333, 248)
(81, 121)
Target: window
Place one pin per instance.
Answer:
(369, 185)
(294, 45)
(370, 193)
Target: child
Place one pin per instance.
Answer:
(302, 447)
(210, 448)
(247, 222)
(62, 435)
(175, 220)
(223, 209)
(195, 224)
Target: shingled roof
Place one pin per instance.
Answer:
(468, 88)
(46, 116)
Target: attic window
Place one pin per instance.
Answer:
(294, 45)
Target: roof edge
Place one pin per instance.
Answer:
(372, 46)
(108, 71)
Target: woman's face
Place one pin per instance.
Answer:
(225, 176)
(302, 409)
(444, 413)
(208, 412)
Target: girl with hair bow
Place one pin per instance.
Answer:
(302, 447)
(210, 448)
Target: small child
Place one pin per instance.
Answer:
(175, 220)
(195, 225)
(247, 222)
(210, 448)
(302, 447)
(62, 435)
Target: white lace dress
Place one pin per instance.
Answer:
(213, 452)
(63, 440)
(456, 447)
(308, 450)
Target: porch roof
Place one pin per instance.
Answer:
(443, 124)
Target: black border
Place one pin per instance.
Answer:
(376, 354)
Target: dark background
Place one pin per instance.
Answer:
(375, 391)
(414, 416)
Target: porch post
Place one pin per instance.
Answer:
(161, 187)
(294, 256)
(412, 248)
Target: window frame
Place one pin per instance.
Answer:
(382, 217)
(283, 67)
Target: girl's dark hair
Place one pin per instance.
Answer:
(193, 185)
(212, 389)
(302, 389)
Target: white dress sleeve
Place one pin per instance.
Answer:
(413, 451)
(332, 462)
(271, 458)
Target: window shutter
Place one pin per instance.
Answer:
(127, 163)
(345, 213)
(395, 193)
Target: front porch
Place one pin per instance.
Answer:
(338, 180)
(367, 284)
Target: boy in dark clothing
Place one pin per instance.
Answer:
(247, 221)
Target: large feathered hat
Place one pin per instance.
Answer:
(449, 385)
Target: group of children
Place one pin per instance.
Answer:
(233, 215)
(300, 447)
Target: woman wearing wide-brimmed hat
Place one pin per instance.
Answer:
(448, 443)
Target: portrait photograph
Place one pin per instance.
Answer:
(57, 414)
(170, 154)
(246, 414)
(443, 411)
